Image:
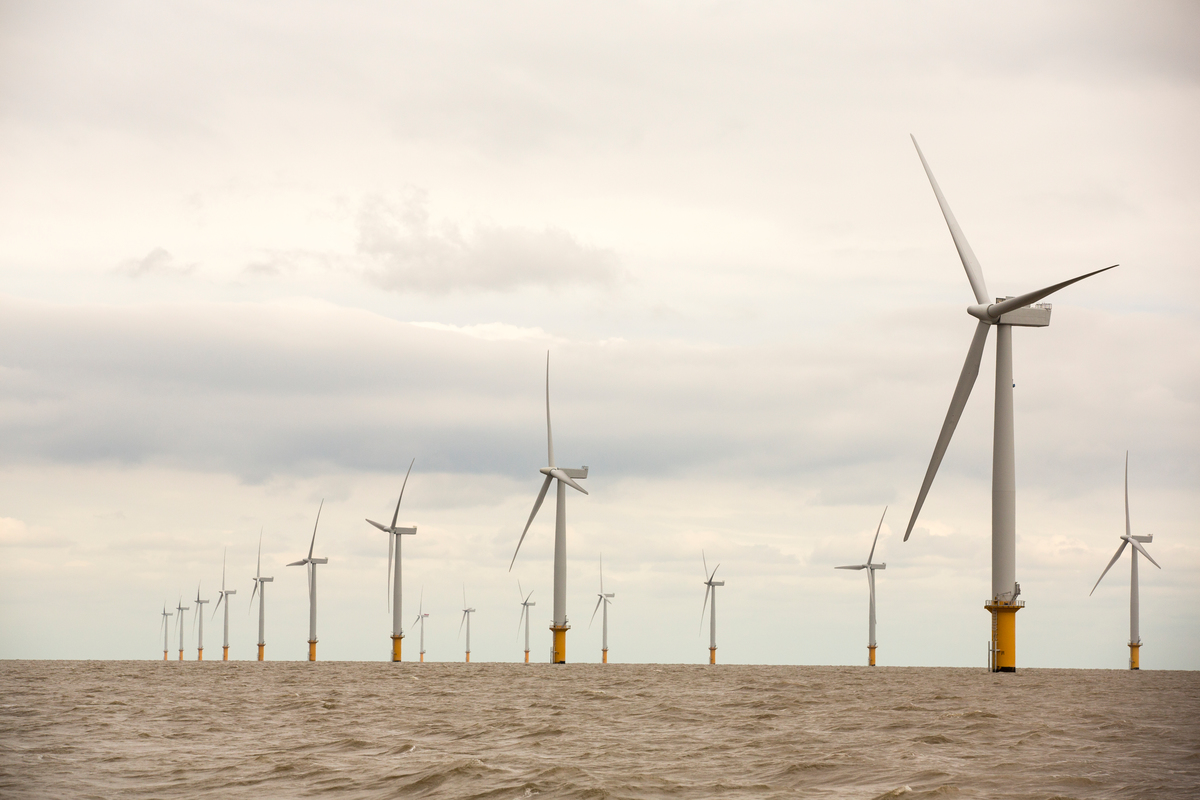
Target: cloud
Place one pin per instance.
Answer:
(407, 252)
(157, 262)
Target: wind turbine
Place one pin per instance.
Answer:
(198, 617)
(224, 596)
(311, 564)
(421, 615)
(259, 580)
(603, 601)
(565, 477)
(166, 629)
(466, 617)
(394, 540)
(710, 586)
(870, 568)
(179, 624)
(1004, 314)
(1135, 639)
(526, 604)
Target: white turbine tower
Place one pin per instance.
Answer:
(421, 615)
(166, 615)
(261, 589)
(224, 597)
(870, 568)
(604, 600)
(198, 619)
(1135, 639)
(710, 586)
(466, 617)
(526, 604)
(395, 598)
(179, 624)
(1003, 314)
(310, 564)
(565, 477)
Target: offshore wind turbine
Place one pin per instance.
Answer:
(198, 617)
(604, 600)
(311, 568)
(224, 596)
(466, 617)
(261, 589)
(1004, 314)
(565, 477)
(870, 568)
(166, 630)
(421, 615)
(1135, 639)
(526, 604)
(710, 586)
(179, 624)
(395, 598)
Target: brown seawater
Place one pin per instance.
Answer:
(379, 730)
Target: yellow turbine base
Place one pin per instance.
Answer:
(1004, 635)
(712, 655)
(1133, 656)
(200, 654)
(312, 649)
(870, 655)
(422, 656)
(225, 653)
(604, 656)
(468, 656)
(165, 656)
(526, 656)
(261, 647)
(560, 643)
(396, 647)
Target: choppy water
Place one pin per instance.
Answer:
(376, 730)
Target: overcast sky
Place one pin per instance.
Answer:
(250, 260)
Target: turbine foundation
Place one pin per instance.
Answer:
(261, 647)
(1004, 635)
(468, 657)
(1133, 655)
(396, 640)
(312, 649)
(559, 655)
(165, 656)
(526, 656)
(422, 657)
(200, 654)
(712, 655)
(604, 656)
(225, 653)
(870, 655)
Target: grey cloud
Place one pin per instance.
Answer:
(157, 262)
(409, 252)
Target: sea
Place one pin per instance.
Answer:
(154, 729)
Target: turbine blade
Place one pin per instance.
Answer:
(224, 553)
(1138, 546)
(463, 620)
(1120, 550)
(565, 478)
(549, 435)
(1013, 303)
(705, 561)
(299, 563)
(258, 565)
(380, 525)
(521, 619)
(714, 574)
(872, 553)
(252, 593)
(1128, 532)
(315, 524)
(397, 514)
(856, 566)
(965, 254)
(520, 591)
(536, 505)
(703, 608)
(594, 610)
(217, 605)
(966, 381)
